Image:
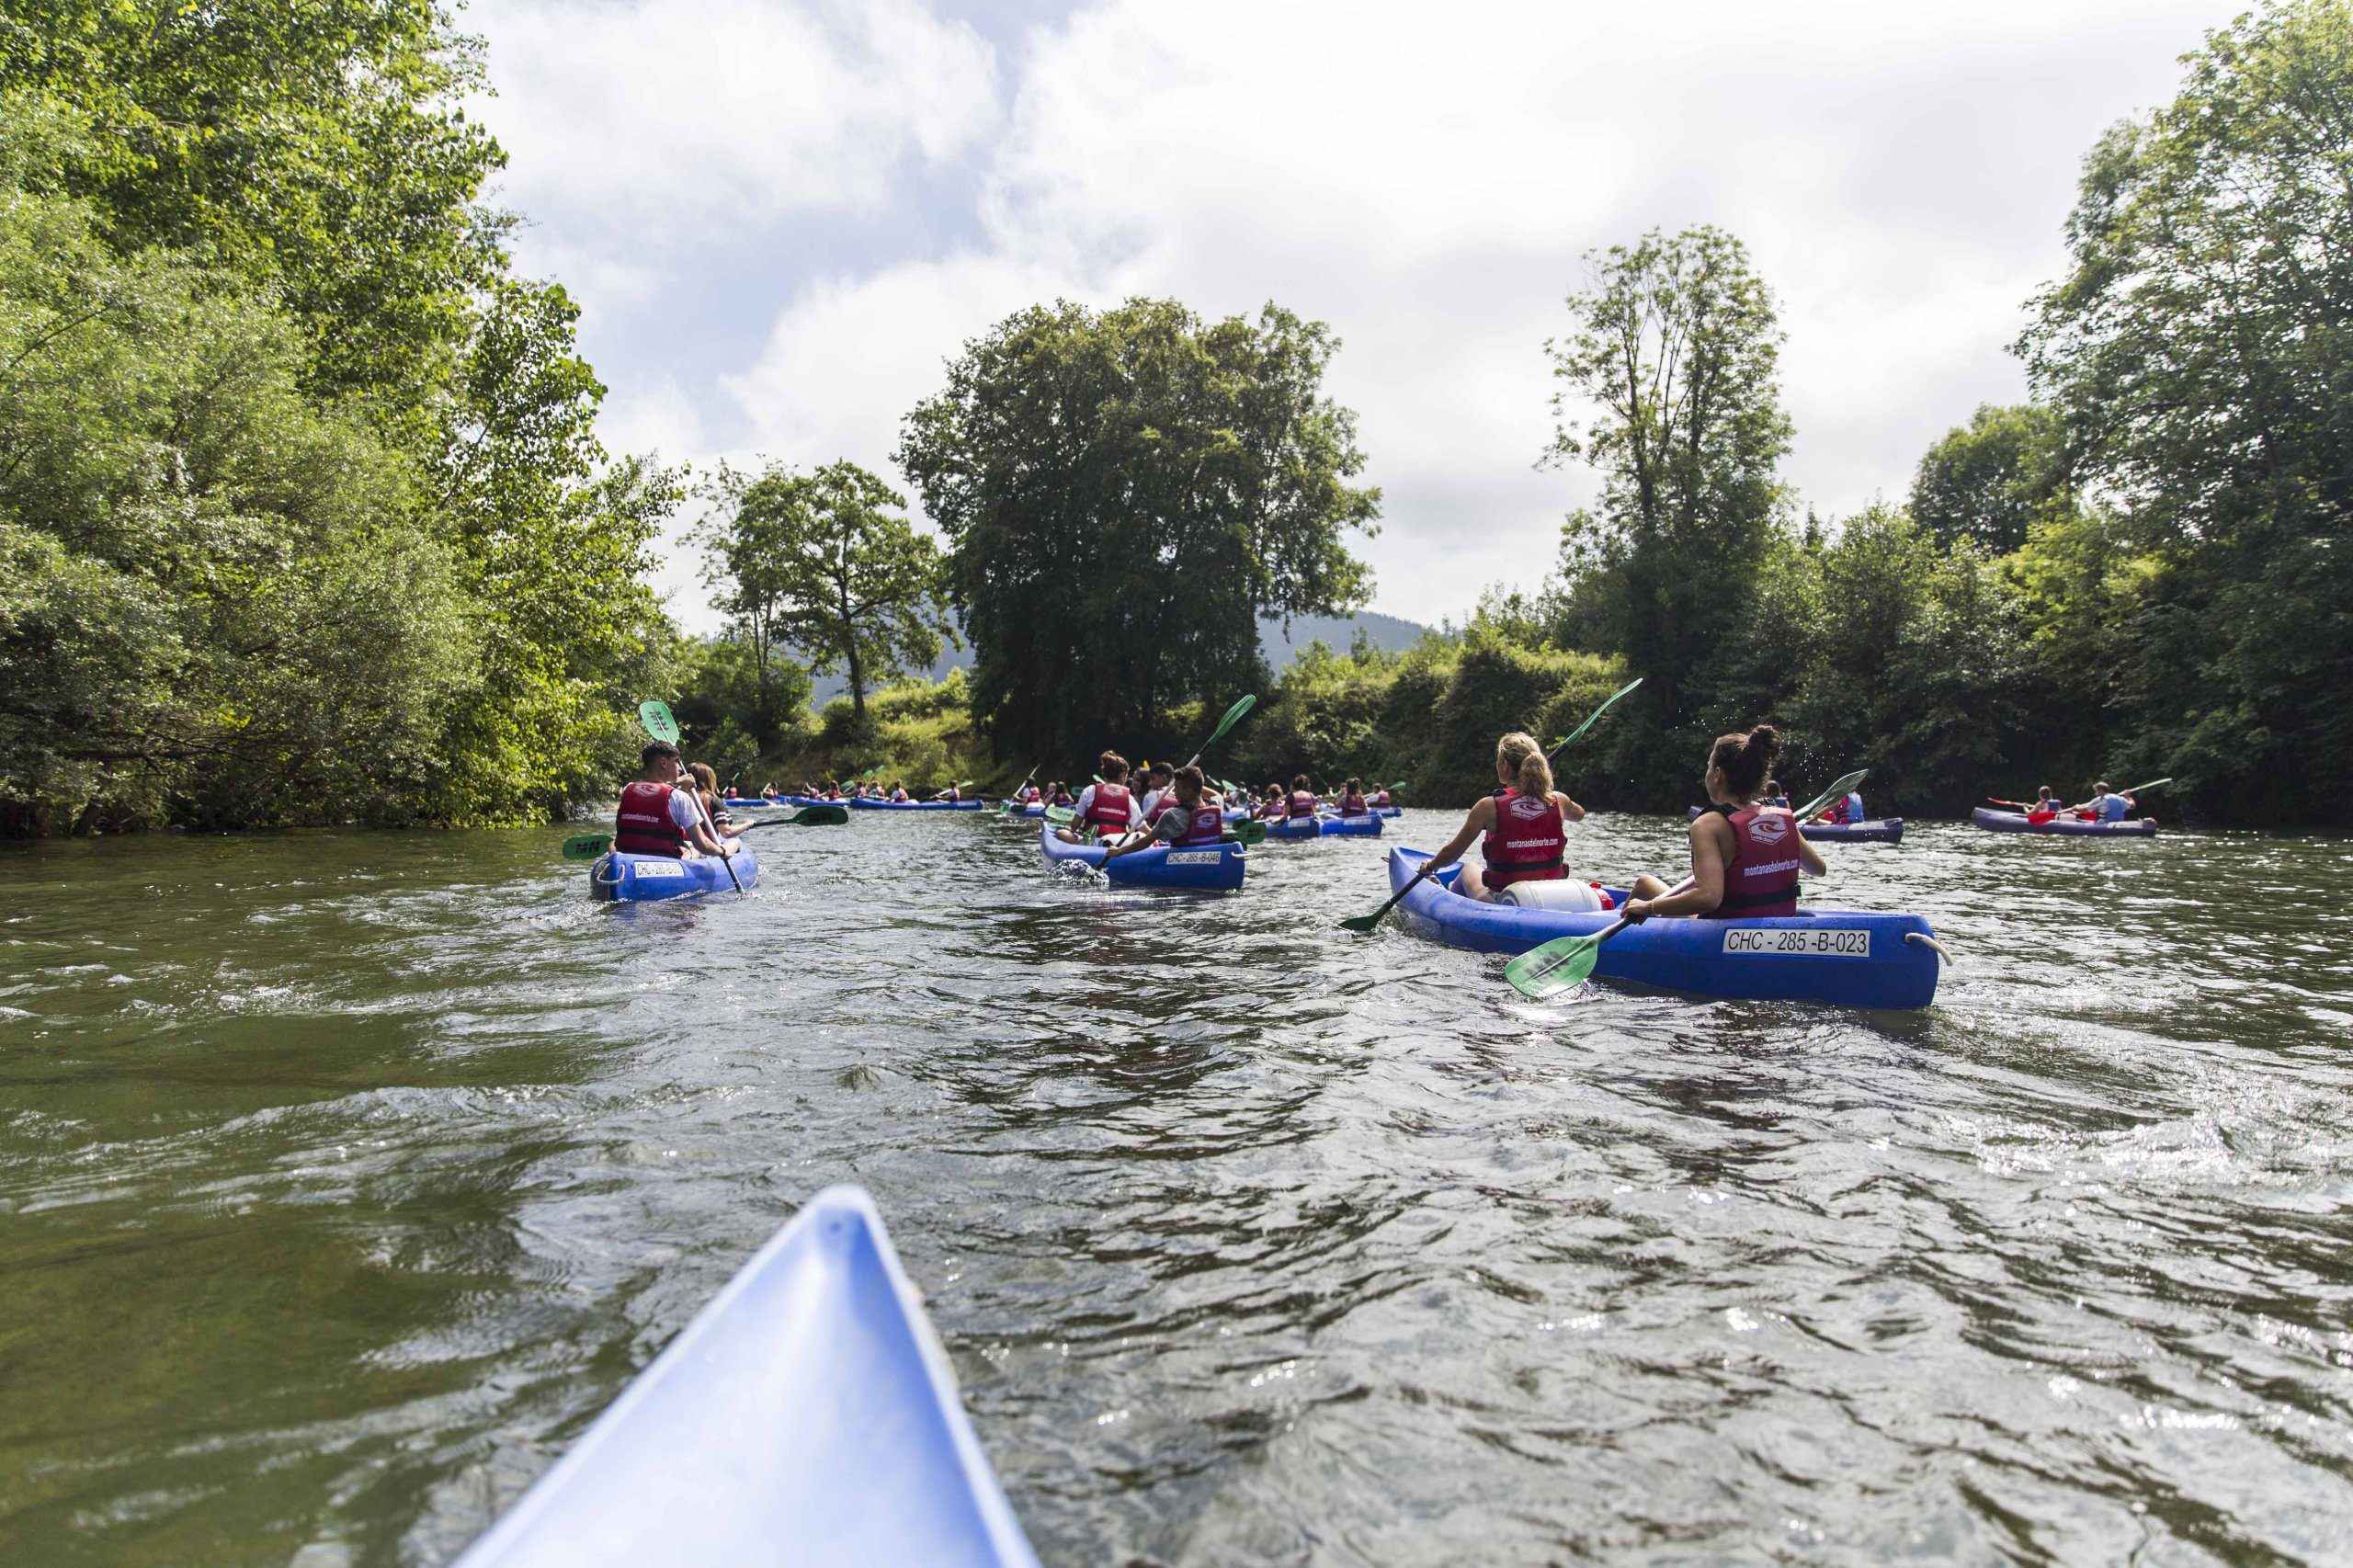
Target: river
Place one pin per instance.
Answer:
(344, 1176)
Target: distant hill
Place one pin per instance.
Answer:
(1387, 632)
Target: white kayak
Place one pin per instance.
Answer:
(806, 1416)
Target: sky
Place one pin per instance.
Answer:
(781, 217)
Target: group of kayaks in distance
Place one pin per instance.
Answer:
(1731, 928)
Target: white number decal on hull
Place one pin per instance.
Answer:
(1751, 940)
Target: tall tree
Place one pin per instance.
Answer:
(1667, 387)
(825, 563)
(1988, 480)
(2201, 350)
(1124, 493)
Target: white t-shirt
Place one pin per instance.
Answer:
(1086, 803)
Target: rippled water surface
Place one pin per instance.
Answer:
(344, 1176)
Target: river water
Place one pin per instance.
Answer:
(344, 1176)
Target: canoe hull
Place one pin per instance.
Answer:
(1295, 828)
(2014, 822)
(1847, 958)
(808, 1414)
(912, 805)
(1208, 867)
(616, 878)
(1349, 827)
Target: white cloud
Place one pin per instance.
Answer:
(656, 122)
(1425, 182)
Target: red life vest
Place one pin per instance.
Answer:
(1204, 824)
(1352, 806)
(1526, 842)
(642, 824)
(1108, 814)
(1762, 877)
(1302, 805)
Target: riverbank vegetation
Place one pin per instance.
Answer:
(304, 517)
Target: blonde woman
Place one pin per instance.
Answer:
(1524, 825)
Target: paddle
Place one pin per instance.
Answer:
(1364, 923)
(1562, 743)
(1565, 962)
(2150, 785)
(654, 714)
(587, 846)
(1005, 806)
(1233, 717)
(1248, 832)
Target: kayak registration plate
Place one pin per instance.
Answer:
(1193, 857)
(1752, 940)
(660, 869)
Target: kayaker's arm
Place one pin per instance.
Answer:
(1569, 809)
(1706, 886)
(1810, 859)
(1478, 820)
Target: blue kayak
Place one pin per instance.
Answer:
(1367, 826)
(757, 803)
(1823, 955)
(1207, 868)
(2065, 826)
(973, 805)
(1295, 828)
(634, 878)
(807, 1416)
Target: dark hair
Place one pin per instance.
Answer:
(1745, 759)
(1188, 782)
(1357, 785)
(1111, 765)
(655, 750)
(1300, 782)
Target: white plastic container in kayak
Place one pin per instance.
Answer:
(807, 1417)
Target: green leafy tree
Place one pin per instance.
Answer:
(2199, 350)
(1988, 480)
(826, 563)
(1124, 493)
(1668, 388)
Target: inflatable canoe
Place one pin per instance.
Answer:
(916, 805)
(807, 1416)
(2014, 822)
(1872, 830)
(1209, 867)
(1821, 955)
(635, 879)
(1295, 828)
(1368, 826)
(757, 803)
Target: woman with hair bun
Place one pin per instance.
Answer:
(1524, 824)
(1746, 856)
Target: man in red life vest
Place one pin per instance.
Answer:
(657, 818)
(1194, 814)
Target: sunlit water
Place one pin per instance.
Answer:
(344, 1177)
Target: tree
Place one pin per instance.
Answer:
(2200, 352)
(1124, 493)
(1668, 389)
(816, 562)
(1988, 480)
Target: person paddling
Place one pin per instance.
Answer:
(706, 787)
(2106, 805)
(1745, 856)
(1303, 802)
(2046, 807)
(1159, 778)
(1524, 825)
(655, 816)
(1193, 816)
(1352, 801)
(899, 792)
(1848, 809)
(1381, 798)
(1108, 808)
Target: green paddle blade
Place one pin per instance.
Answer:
(654, 714)
(819, 816)
(1596, 713)
(1060, 816)
(1561, 964)
(1250, 832)
(587, 846)
(1233, 717)
(1846, 786)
